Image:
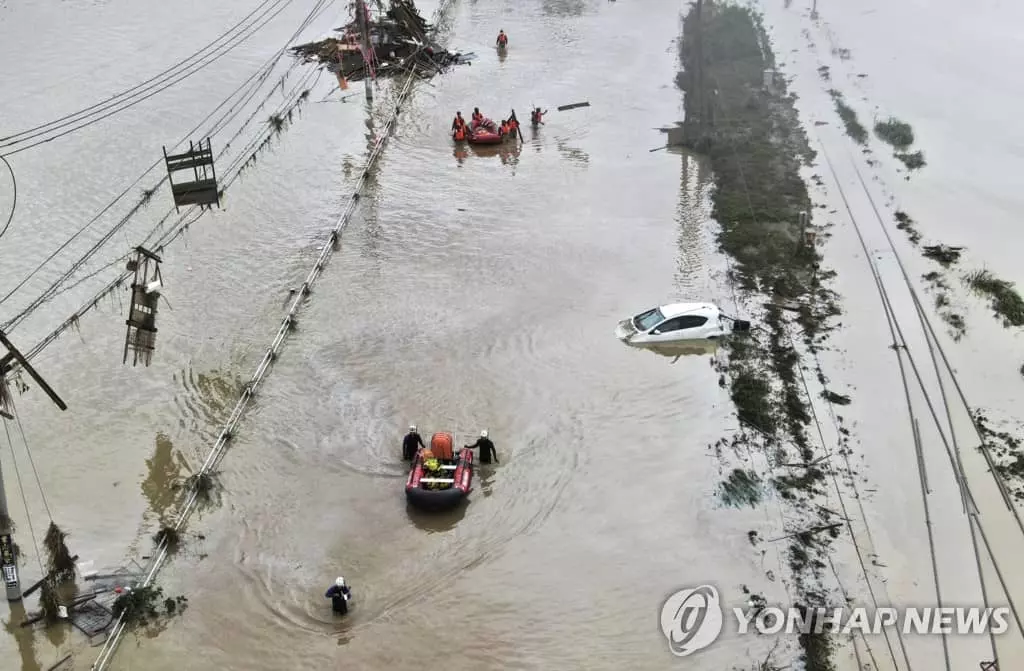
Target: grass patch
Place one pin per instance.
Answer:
(908, 226)
(742, 488)
(170, 536)
(142, 606)
(1005, 449)
(940, 290)
(1003, 297)
(756, 148)
(849, 117)
(944, 255)
(895, 132)
(913, 160)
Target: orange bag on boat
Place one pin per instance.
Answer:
(441, 445)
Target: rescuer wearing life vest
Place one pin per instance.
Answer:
(459, 127)
(486, 448)
(504, 129)
(502, 39)
(536, 116)
(339, 594)
(409, 443)
(477, 117)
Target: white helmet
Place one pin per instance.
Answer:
(483, 434)
(340, 582)
(412, 427)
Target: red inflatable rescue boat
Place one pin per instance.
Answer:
(439, 479)
(484, 132)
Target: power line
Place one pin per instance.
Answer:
(20, 134)
(176, 230)
(24, 500)
(113, 639)
(267, 66)
(813, 412)
(134, 99)
(14, 204)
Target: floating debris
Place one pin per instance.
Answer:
(399, 44)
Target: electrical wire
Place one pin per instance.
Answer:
(169, 236)
(248, 392)
(31, 461)
(14, 204)
(846, 516)
(24, 500)
(27, 131)
(268, 65)
(86, 122)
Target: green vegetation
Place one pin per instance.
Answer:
(59, 562)
(755, 145)
(1003, 296)
(895, 132)
(913, 160)
(142, 605)
(742, 488)
(853, 126)
(907, 225)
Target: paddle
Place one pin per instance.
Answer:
(518, 129)
(573, 106)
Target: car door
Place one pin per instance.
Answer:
(693, 327)
(666, 331)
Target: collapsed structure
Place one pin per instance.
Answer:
(395, 42)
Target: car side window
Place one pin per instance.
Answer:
(691, 321)
(670, 325)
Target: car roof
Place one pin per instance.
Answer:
(678, 309)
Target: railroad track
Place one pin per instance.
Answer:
(975, 530)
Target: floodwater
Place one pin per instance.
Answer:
(964, 181)
(472, 291)
(476, 290)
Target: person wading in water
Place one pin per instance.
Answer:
(486, 448)
(409, 443)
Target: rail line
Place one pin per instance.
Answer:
(110, 646)
(965, 469)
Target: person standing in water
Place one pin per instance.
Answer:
(409, 443)
(486, 448)
(502, 41)
(339, 594)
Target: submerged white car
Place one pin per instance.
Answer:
(672, 323)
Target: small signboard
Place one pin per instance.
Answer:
(8, 561)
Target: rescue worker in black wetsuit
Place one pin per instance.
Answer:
(486, 448)
(410, 443)
(339, 594)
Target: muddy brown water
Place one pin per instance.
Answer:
(476, 291)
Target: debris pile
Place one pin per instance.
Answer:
(399, 44)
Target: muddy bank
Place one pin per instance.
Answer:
(747, 126)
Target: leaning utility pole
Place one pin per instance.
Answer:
(8, 559)
(364, 29)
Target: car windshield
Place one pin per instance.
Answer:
(648, 320)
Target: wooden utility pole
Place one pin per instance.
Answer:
(364, 29)
(8, 559)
